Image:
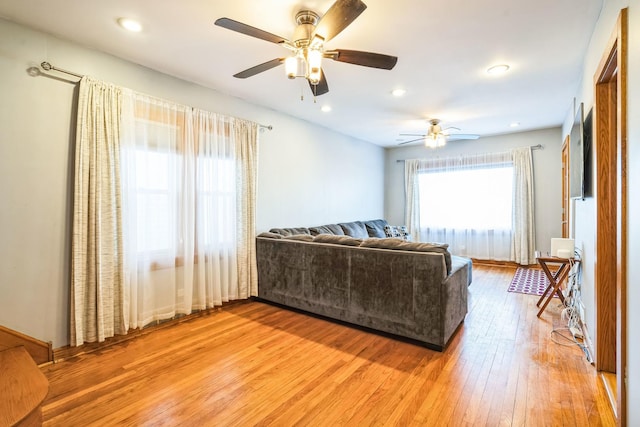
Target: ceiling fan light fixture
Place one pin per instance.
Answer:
(291, 67)
(314, 62)
(435, 138)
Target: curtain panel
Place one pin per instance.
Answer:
(184, 184)
(524, 230)
(97, 294)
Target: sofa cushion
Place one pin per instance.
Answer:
(290, 231)
(339, 240)
(302, 237)
(334, 229)
(375, 227)
(400, 244)
(399, 231)
(354, 229)
(270, 235)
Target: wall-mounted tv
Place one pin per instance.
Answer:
(580, 155)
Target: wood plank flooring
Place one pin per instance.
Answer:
(256, 364)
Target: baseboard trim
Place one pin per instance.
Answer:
(40, 351)
(506, 264)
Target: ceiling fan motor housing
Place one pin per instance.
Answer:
(307, 21)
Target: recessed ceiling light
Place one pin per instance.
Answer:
(130, 25)
(515, 124)
(325, 108)
(398, 92)
(498, 69)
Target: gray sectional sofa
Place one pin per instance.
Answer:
(351, 272)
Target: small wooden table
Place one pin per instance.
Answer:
(555, 279)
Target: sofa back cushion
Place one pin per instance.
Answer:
(334, 229)
(355, 229)
(375, 227)
(338, 240)
(290, 231)
(402, 245)
(300, 237)
(270, 235)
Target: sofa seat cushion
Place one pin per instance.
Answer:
(338, 240)
(402, 245)
(375, 227)
(334, 229)
(354, 229)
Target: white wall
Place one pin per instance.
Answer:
(546, 165)
(585, 224)
(308, 175)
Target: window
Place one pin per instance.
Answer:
(478, 198)
(216, 200)
(153, 204)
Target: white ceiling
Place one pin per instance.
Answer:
(444, 49)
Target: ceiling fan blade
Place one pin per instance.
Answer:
(367, 59)
(412, 134)
(239, 27)
(461, 136)
(259, 68)
(338, 17)
(409, 142)
(321, 88)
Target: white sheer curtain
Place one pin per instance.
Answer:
(524, 232)
(481, 205)
(189, 186)
(164, 211)
(97, 258)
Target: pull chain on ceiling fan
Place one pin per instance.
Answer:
(307, 46)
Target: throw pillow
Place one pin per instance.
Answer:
(397, 231)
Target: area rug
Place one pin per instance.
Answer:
(531, 281)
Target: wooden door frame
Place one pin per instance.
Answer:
(610, 132)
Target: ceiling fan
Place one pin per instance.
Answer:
(307, 45)
(436, 136)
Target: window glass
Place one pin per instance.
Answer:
(467, 199)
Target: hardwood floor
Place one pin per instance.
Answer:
(256, 364)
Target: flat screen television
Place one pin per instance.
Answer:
(580, 155)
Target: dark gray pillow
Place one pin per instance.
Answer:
(354, 229)
(334, 229)
(375, 227)
(339, 240)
